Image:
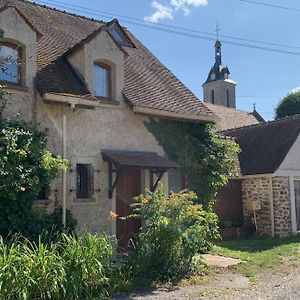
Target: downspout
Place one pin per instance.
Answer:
(271, 206)
(64, 154)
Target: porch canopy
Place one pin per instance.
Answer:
(120, 159)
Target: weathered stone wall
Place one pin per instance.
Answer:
(258, 189)
(282, 206)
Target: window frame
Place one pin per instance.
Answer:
(19, 50)
(90, 190)
(212, 96)
(107, 67)
(44, 190)
(122, 34)
(227, 98)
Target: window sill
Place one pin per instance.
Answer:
(102, 100)
(11, 86)
(41, 202)
(84, 201)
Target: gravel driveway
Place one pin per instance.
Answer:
(231, 285)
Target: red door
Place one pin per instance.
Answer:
(128, 186)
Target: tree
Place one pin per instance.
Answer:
(288, 106)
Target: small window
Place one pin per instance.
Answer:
(213, 76)
(102, 80)
(212, 96)
(85, 181)
(227, 98)
(119, 36)
(44, 193)
(10, 58)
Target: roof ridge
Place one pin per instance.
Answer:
(296, 116)
(62, 11)
(226, 107)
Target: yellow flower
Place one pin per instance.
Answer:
(113, 215)
(145, 200)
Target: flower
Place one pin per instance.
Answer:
(113, 215)
(22, 189)
(145, 200)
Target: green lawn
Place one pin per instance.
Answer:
(262, 255)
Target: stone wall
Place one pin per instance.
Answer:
(282, 206)
(258, 189)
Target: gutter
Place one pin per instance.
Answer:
(175, 115)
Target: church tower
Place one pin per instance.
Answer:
(219, 88)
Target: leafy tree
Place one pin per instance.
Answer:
(26, 165)
(288, 106)
(206, 159)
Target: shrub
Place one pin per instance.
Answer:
(75, 268)
(89, 266)
(26, 165)
(175, 229)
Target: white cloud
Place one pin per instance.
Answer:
(185, 5)
(167, 11)
(162, 12)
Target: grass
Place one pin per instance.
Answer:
(262, 255)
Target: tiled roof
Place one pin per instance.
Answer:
(264, 146)
(231, 117)
(147, 160)
(148, 83)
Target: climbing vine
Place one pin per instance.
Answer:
(205, 158)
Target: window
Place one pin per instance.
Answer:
(213, 76)
(10, 70)
(44, 193)
(119, 36)
(227, 98)
(102, 80)
(212, 96)
(85, 181)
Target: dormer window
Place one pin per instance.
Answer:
(119, 36)
(102, 80)
(10, 58)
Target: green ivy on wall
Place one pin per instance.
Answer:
(205, 158)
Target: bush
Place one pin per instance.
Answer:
(75, 268)
(175, 230)
(26, 166)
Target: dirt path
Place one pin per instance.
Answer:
(230, 285)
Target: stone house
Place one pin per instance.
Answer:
(269, 183)
(92, 84)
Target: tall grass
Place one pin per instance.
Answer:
(74, 268)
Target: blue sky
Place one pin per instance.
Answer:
(262, 77)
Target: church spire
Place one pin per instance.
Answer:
(218, 53)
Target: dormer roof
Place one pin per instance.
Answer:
(10, 4)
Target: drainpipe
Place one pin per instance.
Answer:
(271, 206)
(64, 148)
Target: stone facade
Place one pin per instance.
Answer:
(282, 206)
(264, 189)
(258, 189)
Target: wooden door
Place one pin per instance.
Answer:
(128, 186)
